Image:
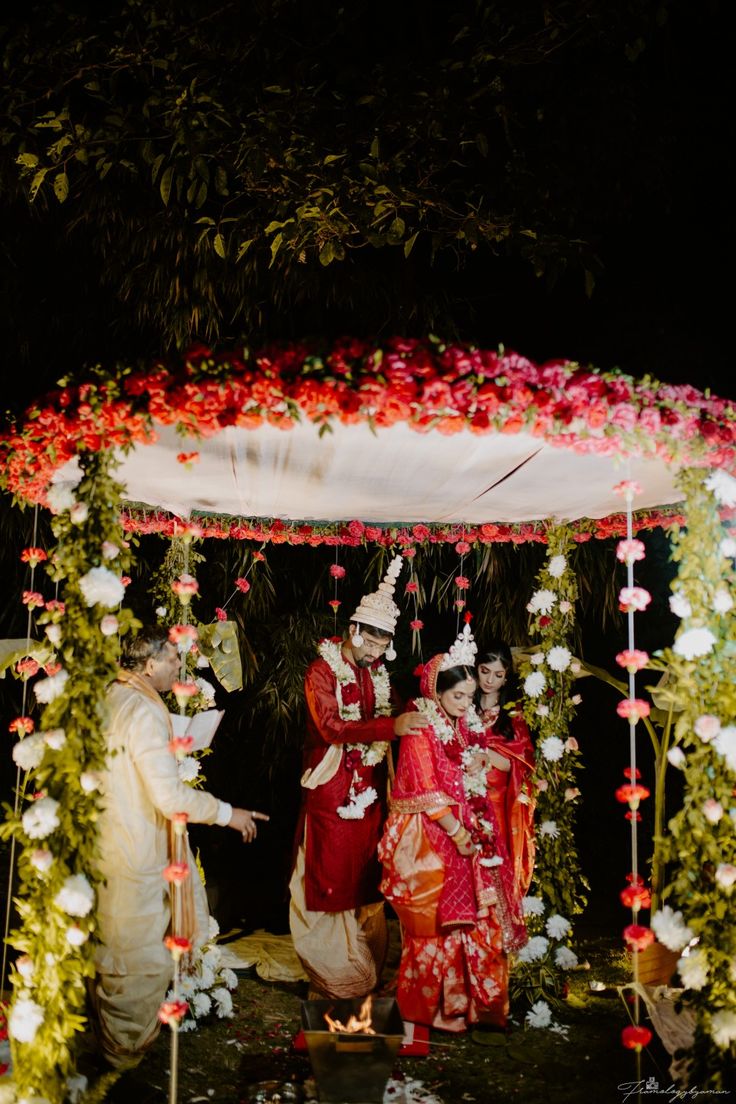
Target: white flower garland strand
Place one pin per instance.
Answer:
(359, 796)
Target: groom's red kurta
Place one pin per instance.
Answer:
(342, 868)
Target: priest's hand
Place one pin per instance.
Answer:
(244, 821)
(407, 723)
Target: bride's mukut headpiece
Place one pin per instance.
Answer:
(378, 610)
(462, 653)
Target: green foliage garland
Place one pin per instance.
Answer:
(53, 970)
(704, 848)
(557, 876)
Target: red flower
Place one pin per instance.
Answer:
(54, 606)
(636, 1036)
(243, 585)
(544, 621)
(177, 944)
(462, 548)
(187, 457)
(635, 897)
(337, 571)
(412, 588)
(631, 793)
(418, 670)
(416, 625)
(220, 614)
(632, 773)
(52, 669)
(350, 693)
(258, 557)
(171, 1012)
(179, 634)
(176, 872)
(638, 937)
(28, 666)
(125, 580)
(407, 553)
(33, 556)
(22, 724)
(335, 603)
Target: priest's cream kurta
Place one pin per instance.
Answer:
(142, 791)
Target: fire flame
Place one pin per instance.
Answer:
(360, 1024)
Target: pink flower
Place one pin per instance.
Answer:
(28, 666)
(220, 614)
(712, 810)
(171, 1012)
(412, 588)
(258, 557)
(181, 746)
(632, 659)
(627, 488)
(726, 875)
(635, 897)
(407, 553)
(633, 708)
(176, 872)
(337, 571)
(22, 724)
(184, 690)
(629, 551)
(571, 744)
(460, 603)
(571, 793)
(416, 625)
(243, 585)
(462, 582)
(542, 785)
(633, 599)
(707, 727)
(184, 587)
(33, 599)
(462, 548)
(638, 937)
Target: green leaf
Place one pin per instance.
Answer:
(331, 157)
(27, 160)
(327, 253)
(36, 184)
(165, 185)
(219, 245)
(376, 148)
(219, 642)
(409, 243)
(61, 186)
(221, 181)
(396, 230)
(244, 247)
(156, 167)
(275, 246)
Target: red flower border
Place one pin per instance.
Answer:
(427, 385)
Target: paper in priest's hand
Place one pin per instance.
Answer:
(201, 727)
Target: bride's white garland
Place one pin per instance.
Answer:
(360, 795)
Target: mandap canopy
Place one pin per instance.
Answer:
(412, 442)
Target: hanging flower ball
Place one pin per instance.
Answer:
(176, 872)
(184, 587)
(171, 1012)
(636, 1036)
(633, 599)
(637, 937)
(633, 709)
(243, 585)
(632, 659)
(337, 571)
(33, 556)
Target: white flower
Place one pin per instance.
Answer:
(109, 625)
(223, 1002)
(76, 1087)
(535, 949)
(101, 587)
(536, 659)
(728, 548)
(722, 601)
(76, 936)
(542, 601)
(552, 748)
(201, 1005)
(706, 727)
(534, 684)
(723, 1028)
(213, 929)
(26, 969)
(726, 874)
(160, 611)
(206, 689)
(693, 969)
(79, 512)
(725, 745)
(712, 810)
(680, 605)
(358, 803)
(670, 929)
(41, 860)
(109, 550)
(539, 1015)
(90, 781)
(694, 643)
(576, 699)
(202, 661)
(494, 860)
(188, 768)
(53, 632)
(25, 1019)
(676, 757)
(211, 958)
(565, 958)
(28, 752)
(558, 927)
(559, 658)
(532, 906)
(49, 689)
(229, 978)
(565, 606)
(55, 738)
(76, 896)
(557, 566)
(723, 487)
(187, 986)
(542, 711)
(187, 1025)
(206, 977)
(549, 828)
(60, 497)
(41, 819)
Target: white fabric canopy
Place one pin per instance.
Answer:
(391, 475)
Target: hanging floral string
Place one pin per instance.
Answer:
(697, 922)
(549, 705)
(413, 589)
(57, 862)
(462, 582)
(241, 585)
(337, 573)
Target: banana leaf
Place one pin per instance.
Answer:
(219, 643)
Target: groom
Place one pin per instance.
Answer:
(336, 914)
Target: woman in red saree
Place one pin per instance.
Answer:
(446, 871)
(507, 739)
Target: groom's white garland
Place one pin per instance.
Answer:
(360, 796)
